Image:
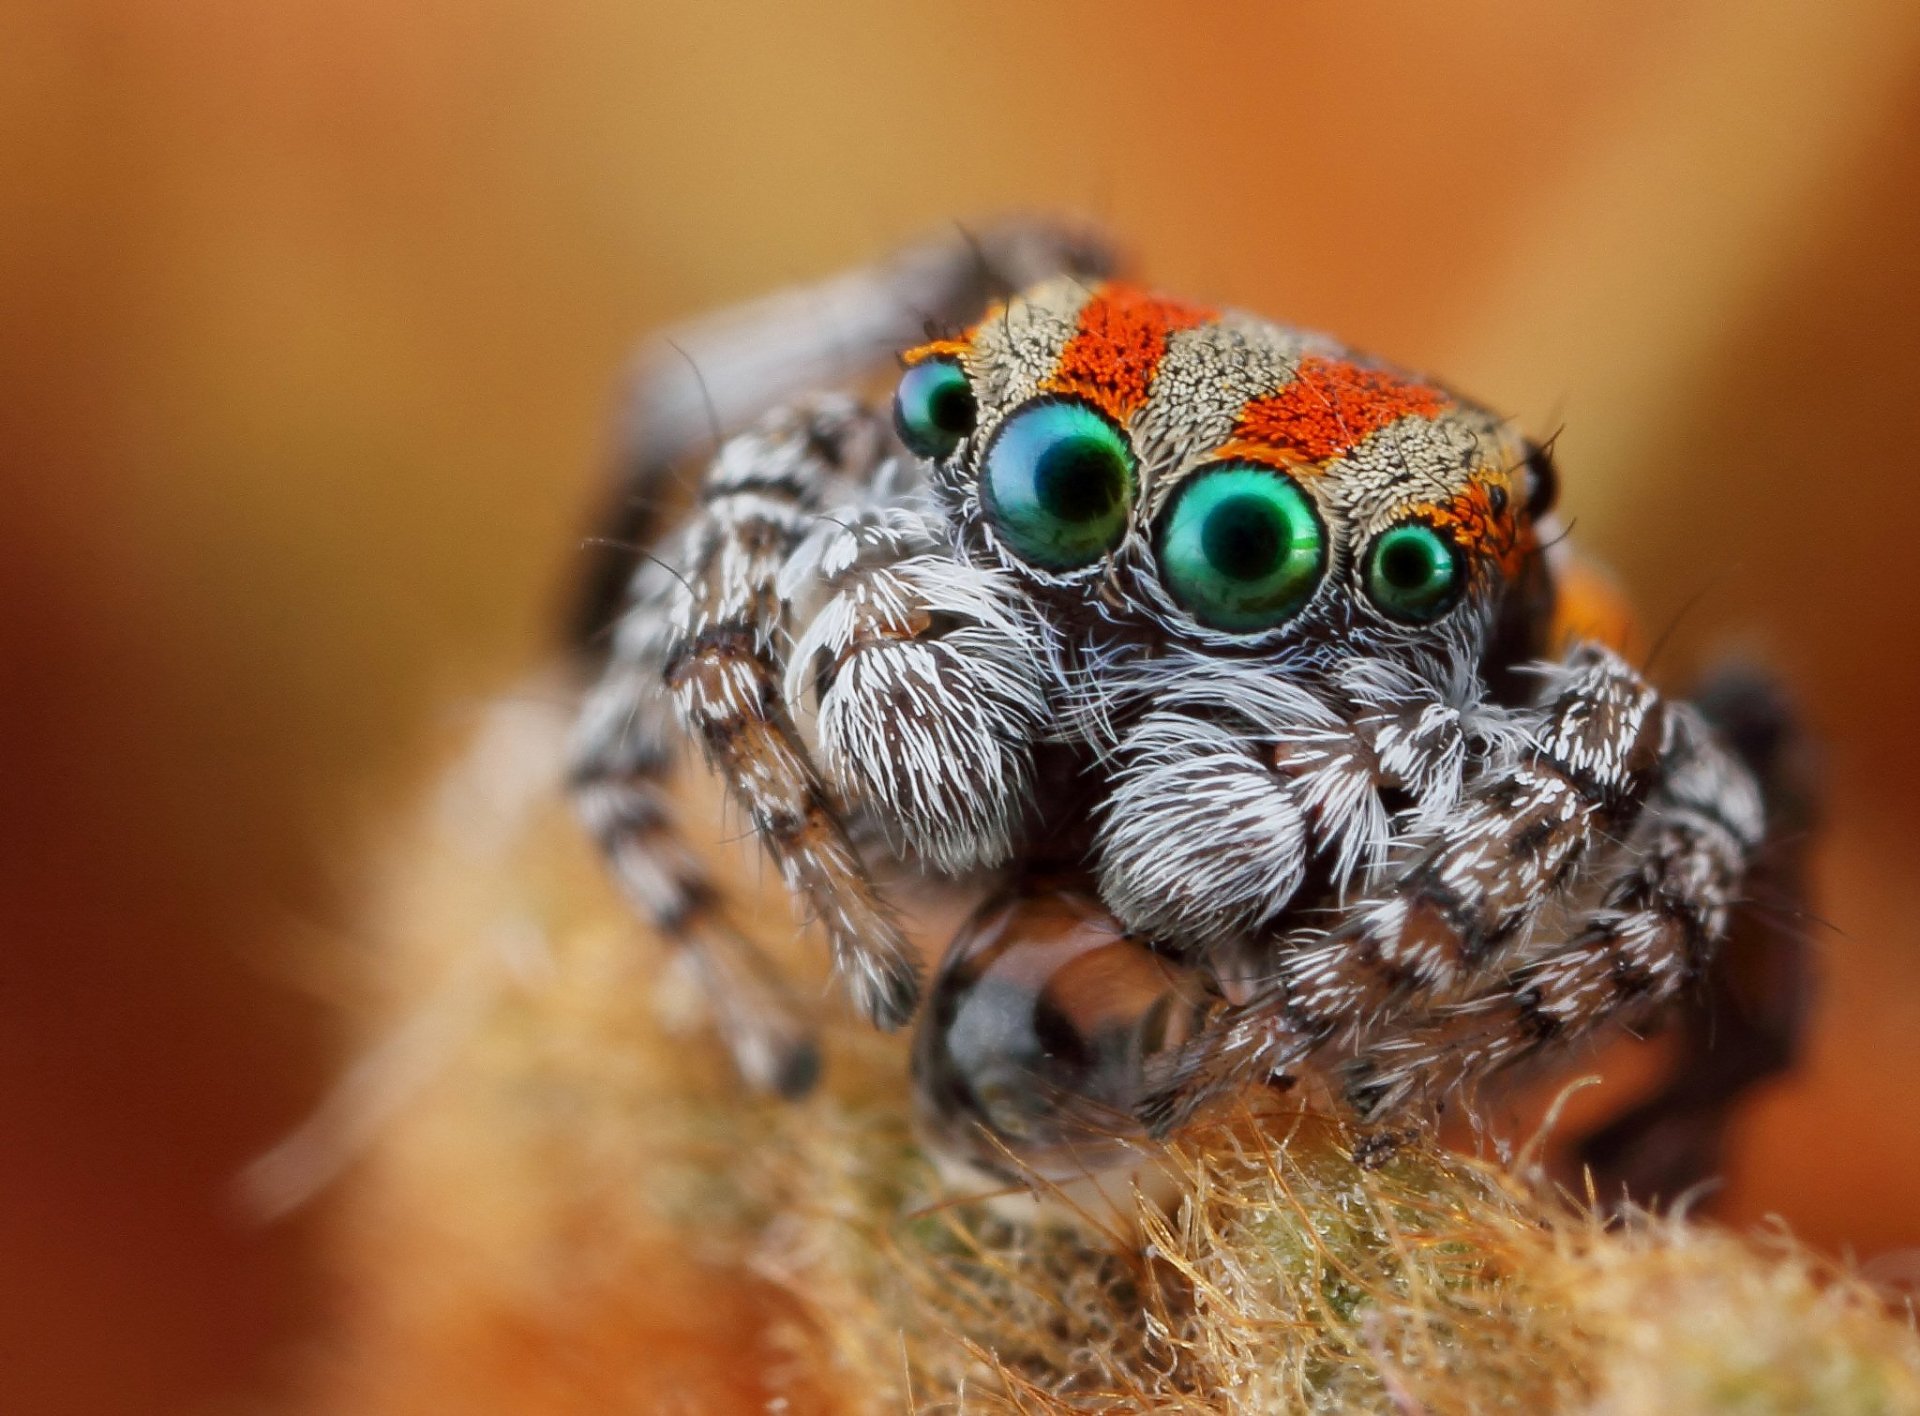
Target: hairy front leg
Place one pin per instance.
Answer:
(1466, 902)
(624, 744)
(710, 637)
(1654, 932)
(1747, 1023)
(1687, 874)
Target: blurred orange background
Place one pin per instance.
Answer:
(311, 315)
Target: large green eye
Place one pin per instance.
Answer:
(1241, 547)
(933, 408)
(1415, 572)
(1058, 483)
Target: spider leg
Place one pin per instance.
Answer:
(1745, 1025)
(623, 748)
(703, 642)
(1466, 902)
(1740, 1027)
(695, 385)
(1654, 933)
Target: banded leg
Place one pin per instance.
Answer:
(711, 634)
(623, 747)
(1745, 1025)
(1654, 933)
(1465, 904)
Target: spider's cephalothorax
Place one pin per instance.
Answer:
(1246, 632)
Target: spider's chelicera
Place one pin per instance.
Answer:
(1237, 663)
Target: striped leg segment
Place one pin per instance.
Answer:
(701, 644)
(1653, 934)
(1746, 1023)
(622, 750)
(1467, 902)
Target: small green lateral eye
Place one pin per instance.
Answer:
(1058, 483)
(933, 408)
(1415, 572)
(1242, 548)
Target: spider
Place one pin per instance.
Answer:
(1245, 667)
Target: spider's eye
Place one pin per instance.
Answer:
(1241, 547)
(933, 408)
(1058, 481)
(1415, 572)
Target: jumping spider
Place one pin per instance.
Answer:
(1244, 666)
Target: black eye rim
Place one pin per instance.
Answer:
(992, 513)
(1442, 607)
(1543, 479)
(1326, 568)
(946, 440)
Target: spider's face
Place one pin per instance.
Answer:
(1219, 479)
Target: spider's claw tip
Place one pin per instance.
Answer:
(889, 993)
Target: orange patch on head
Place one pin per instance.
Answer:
(934, 349)
(1330, 407)
(1484, 521)
(1121, 338)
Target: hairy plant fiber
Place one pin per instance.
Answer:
(557, 1199)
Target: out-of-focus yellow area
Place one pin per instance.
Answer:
(310, 316)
